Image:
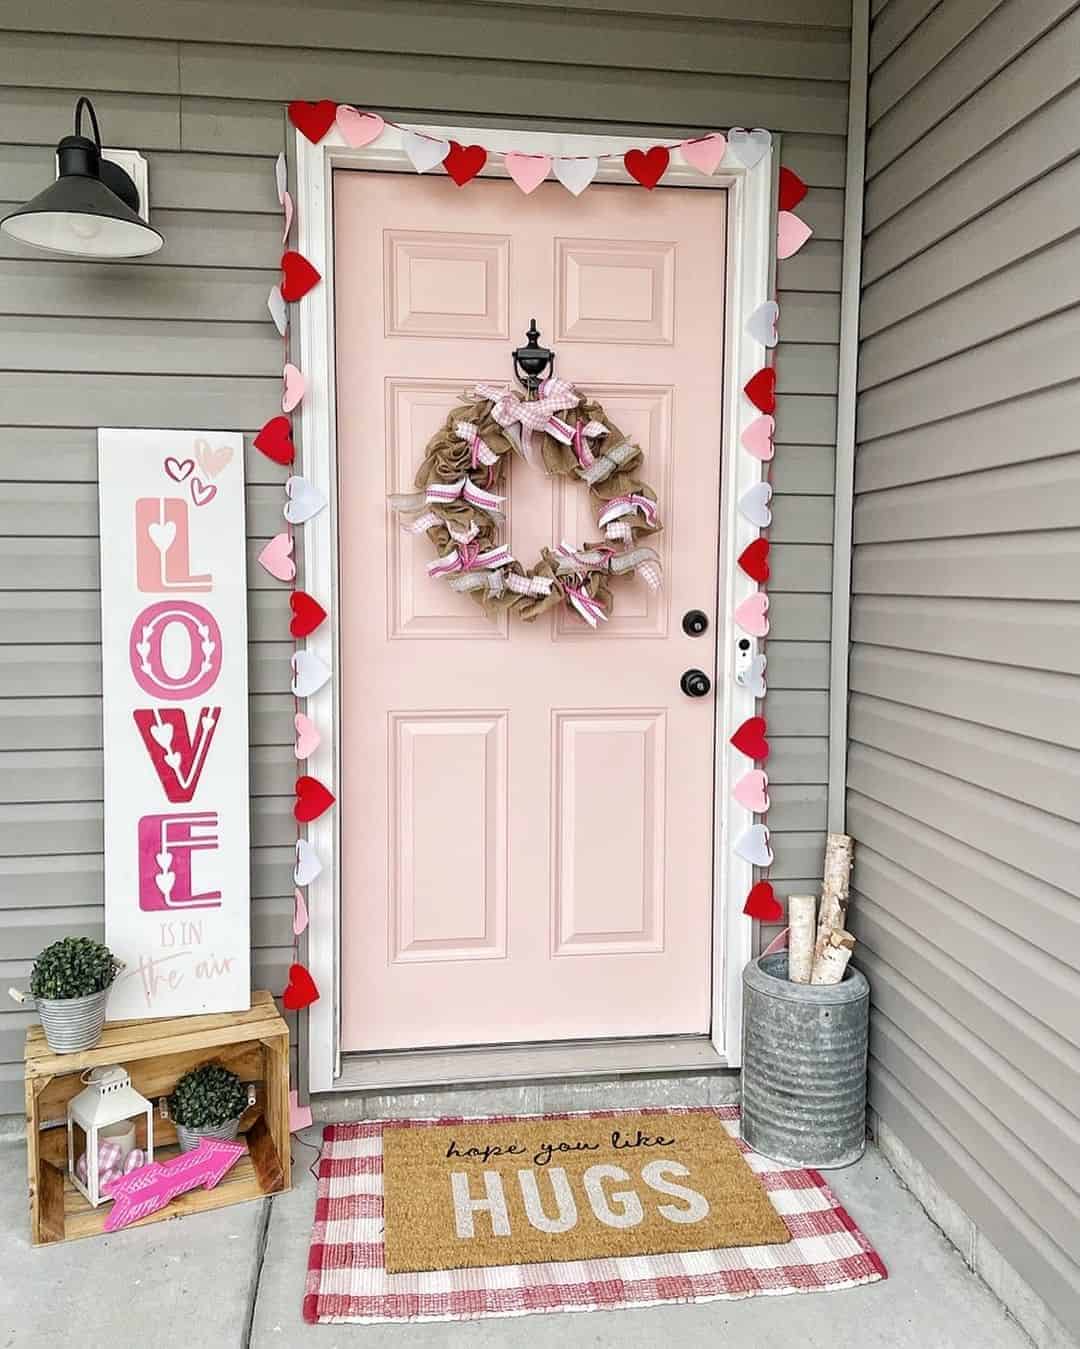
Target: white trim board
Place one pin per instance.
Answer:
(750, 225)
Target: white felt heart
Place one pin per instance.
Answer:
(753, 614)
(279, 310)
(300, 914)
(791, 234)
(286, 216)
(749, 147)
(706, 153)
(281, 176)
(425, 152)
(308, 865)
(754, 505)
(308, 737)
(576, 174)
(293, 387)
(752, 678)
(359, 128)
(754, 847)
(757, 438)
(752, 791)
(761, 325)
(310, 673)
(305, 500)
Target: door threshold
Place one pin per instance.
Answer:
(422, 1068)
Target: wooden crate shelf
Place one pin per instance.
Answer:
(254, 1044)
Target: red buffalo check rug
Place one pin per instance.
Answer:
(347, 1277)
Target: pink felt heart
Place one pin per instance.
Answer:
(752, 791)
(308, 737)
(752, 614)
(202, 492)
(293, 387)
(299, 1115)
(359, 128)
(791, 234)
(179, 469)
(705, 154)
(528, 171)
(287, 215)
(757, 439)
(276, 557)
(300, 913)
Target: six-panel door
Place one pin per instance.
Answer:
(526, 810)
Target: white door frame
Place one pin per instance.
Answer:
(750, 239)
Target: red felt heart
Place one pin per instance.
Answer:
(750, 738)
(314, 120)
(275, 440)
(297, 276)
(300, 992)
(647, 166)
(792, 189)
(312, 799)
(307, 613)
(464, 162)
(761, 389)
(762, 903)
(754, 560)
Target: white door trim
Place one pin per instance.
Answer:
(750, 227)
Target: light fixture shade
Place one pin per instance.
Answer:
(83, 218)
(91, 211)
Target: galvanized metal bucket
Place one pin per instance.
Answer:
(73, 1024)
(189, 1139)
(804, 1065)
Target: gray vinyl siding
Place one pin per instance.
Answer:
(964, 757)
(183, 339)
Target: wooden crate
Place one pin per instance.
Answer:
(254, 1044)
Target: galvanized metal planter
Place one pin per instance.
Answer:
(72, 1024)
(804, 1065)
(189, 1138)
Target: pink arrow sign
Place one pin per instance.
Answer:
(151, 1187)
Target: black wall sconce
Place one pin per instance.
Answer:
(91, 211)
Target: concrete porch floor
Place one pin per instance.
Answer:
(234, 1278)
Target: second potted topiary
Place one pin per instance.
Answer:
(70, 985)
(207, 1103)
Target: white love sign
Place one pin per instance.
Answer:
(174, 694)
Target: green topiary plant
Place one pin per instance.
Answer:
(73, 968)
(207, 1096)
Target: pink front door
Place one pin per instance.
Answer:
(526, 810)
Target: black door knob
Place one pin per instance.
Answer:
(695, 683)
(694, 622)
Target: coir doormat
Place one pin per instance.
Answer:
(533, 1190)
(348, 1279)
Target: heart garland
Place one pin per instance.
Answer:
(302, 502)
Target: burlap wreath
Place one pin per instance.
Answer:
(457, 502)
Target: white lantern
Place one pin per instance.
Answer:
(104, 1116)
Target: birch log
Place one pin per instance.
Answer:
(800, 912)
(831, 960)
(839, 853)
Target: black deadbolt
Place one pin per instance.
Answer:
(694, 622)
(695, 683)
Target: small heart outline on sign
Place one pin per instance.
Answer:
(179, 469)
(202, 493)
(213, 459)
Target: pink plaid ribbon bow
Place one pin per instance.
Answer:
(611, 518)
(469, 432)
(582, 434)
(444, 494)
(476, 569)
(556, 395)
